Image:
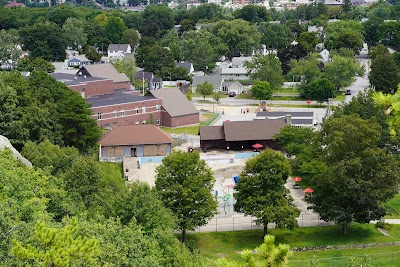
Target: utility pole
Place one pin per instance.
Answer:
(143, 82)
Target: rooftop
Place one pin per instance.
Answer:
(174, 102)
(118, 97)
(142, 134)
(72, 79)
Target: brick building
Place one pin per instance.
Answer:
(113, 102)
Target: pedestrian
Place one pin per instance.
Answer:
(247, 110)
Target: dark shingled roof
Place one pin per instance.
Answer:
(256, 130)
(142, 134)
(252, 130)
(119, 97)
(212, 133)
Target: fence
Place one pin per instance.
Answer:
(240, 222)
(389, 259)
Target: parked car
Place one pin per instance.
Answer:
(232, 94)
(348, 92)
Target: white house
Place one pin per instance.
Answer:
(234, 74)
(325, 55)
(118, 51)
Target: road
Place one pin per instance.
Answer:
(359, 85)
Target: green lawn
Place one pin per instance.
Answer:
(380, 256)
(229, 244)
(194, 130)
(394, 204)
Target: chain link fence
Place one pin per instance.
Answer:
(240, 222)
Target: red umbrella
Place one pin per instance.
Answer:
(308, 190)
(227, 121)
(257, 146)
(297, 179)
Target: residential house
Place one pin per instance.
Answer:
(78, 61)
(236, 87)
(148, 80)
(325, 55)
(176, 110)
(118, 51)
(188, 66)
(192, 3)
(240, 135)
(238, 62)
(134, 141)
(216, 81)
(234, 74)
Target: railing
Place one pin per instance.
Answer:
(111, 159)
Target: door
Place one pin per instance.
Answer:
(133, 152)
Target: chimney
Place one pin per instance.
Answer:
(288, 119)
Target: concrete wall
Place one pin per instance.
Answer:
(141, 150)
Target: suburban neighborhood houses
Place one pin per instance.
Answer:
(199, 133)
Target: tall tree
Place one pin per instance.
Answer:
(275, 36)
(320, 90)
(153, 58)
(205, 89)
(157, 20)
(126, 65)
(9, 50)
(360, 176)
(262, 193)
(347, 34)
(266, 68)
(308, 68)
(252, 13)
(184, 183)
(58, 247)
(261, 90)
(384, 75)
(132, 37)
(240, 36)
(44, 39)
(73, 30)
(342, 71)
(114, 29)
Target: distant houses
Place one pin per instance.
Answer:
(118, 51)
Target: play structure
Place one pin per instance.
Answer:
(224, 194)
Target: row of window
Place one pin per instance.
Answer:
(122, 112)
(99, 117)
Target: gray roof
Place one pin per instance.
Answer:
(256, 130)
(302, 121)
(118, 47)
(216, 81)
(105, 71)
(237, 61)
(242, 71)
(186, 65)
(72, 79)
(229, 84)
(212, 133)
(118, 97)
(283, 114)
(174, 102)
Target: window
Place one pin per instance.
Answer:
(158, 121)
(99, 116)
(115, 114)
(143, 109)
(144, 122)
(137, 123)
(157, 107)
(122, 112)
(136, 110)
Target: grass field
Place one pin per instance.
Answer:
(394, 204)
(194, 130)
(229, 244)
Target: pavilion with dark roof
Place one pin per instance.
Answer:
(240, 135)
